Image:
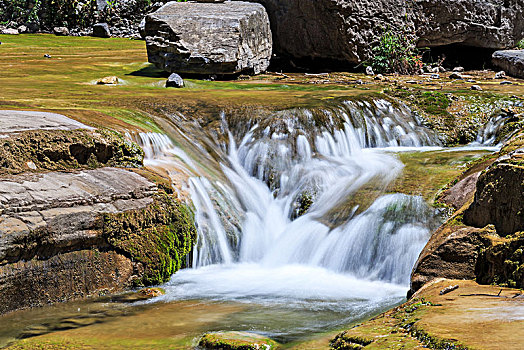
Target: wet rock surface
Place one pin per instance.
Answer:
(483, 241)
(209, 38)
(511, 61)
(498, 197)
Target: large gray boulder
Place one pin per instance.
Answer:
(209, 38)
(511, 61)
(345, 30)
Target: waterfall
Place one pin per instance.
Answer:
(299, 212)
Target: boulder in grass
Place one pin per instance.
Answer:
(209, 38)
(511, 61)
(175, 80)
(61, 31)
(101, 30)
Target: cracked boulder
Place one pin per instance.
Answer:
(209, 38)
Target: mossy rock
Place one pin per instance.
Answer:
(236, 341)
(158, 237)
(41, 150)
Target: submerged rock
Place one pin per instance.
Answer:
(207, 38)
(511, 61)
(236, 341)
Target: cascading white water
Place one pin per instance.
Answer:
(284, 251)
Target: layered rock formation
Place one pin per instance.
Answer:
(87, 229)
(208, 38)
(484, 240)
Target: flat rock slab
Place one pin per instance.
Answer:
(65, 206)
(17, 121)
(209, 38)
(511, 61)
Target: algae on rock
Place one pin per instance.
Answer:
(67, 149)
(158, 237)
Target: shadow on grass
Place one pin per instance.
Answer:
(150, 71)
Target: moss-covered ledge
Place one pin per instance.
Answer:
(58, 150)
(158, 237)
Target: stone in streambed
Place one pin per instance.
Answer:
(208, 38)
(111, 80)
(236, 341)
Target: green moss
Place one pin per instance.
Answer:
(158, 237)
(236, 341)
(64, 149)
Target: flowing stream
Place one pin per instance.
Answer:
(297, 222)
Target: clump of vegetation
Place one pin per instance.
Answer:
(158, 237)
(520, 44)
(46, 14)
(396, 52)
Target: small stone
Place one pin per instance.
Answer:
(411, 82)
(61, 31)
(359, 82)
(500, 75)
(471, 81)
(9, 31)
(435, 76)
(175, 80)
(101, 30)
(476, 87)
(22, 29)
(448, 289)
(379, 77)
(456, 76)
(458, 69)
(110, 80)
(506, 82)
(369, 71)
(47, 55)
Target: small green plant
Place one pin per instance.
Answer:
(520, 44)
(395, 52)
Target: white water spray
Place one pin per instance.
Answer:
(287, 225)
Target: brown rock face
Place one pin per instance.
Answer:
(452, 252)
(499, 199)
(461, 192)
(63, 277)
(481, 241)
